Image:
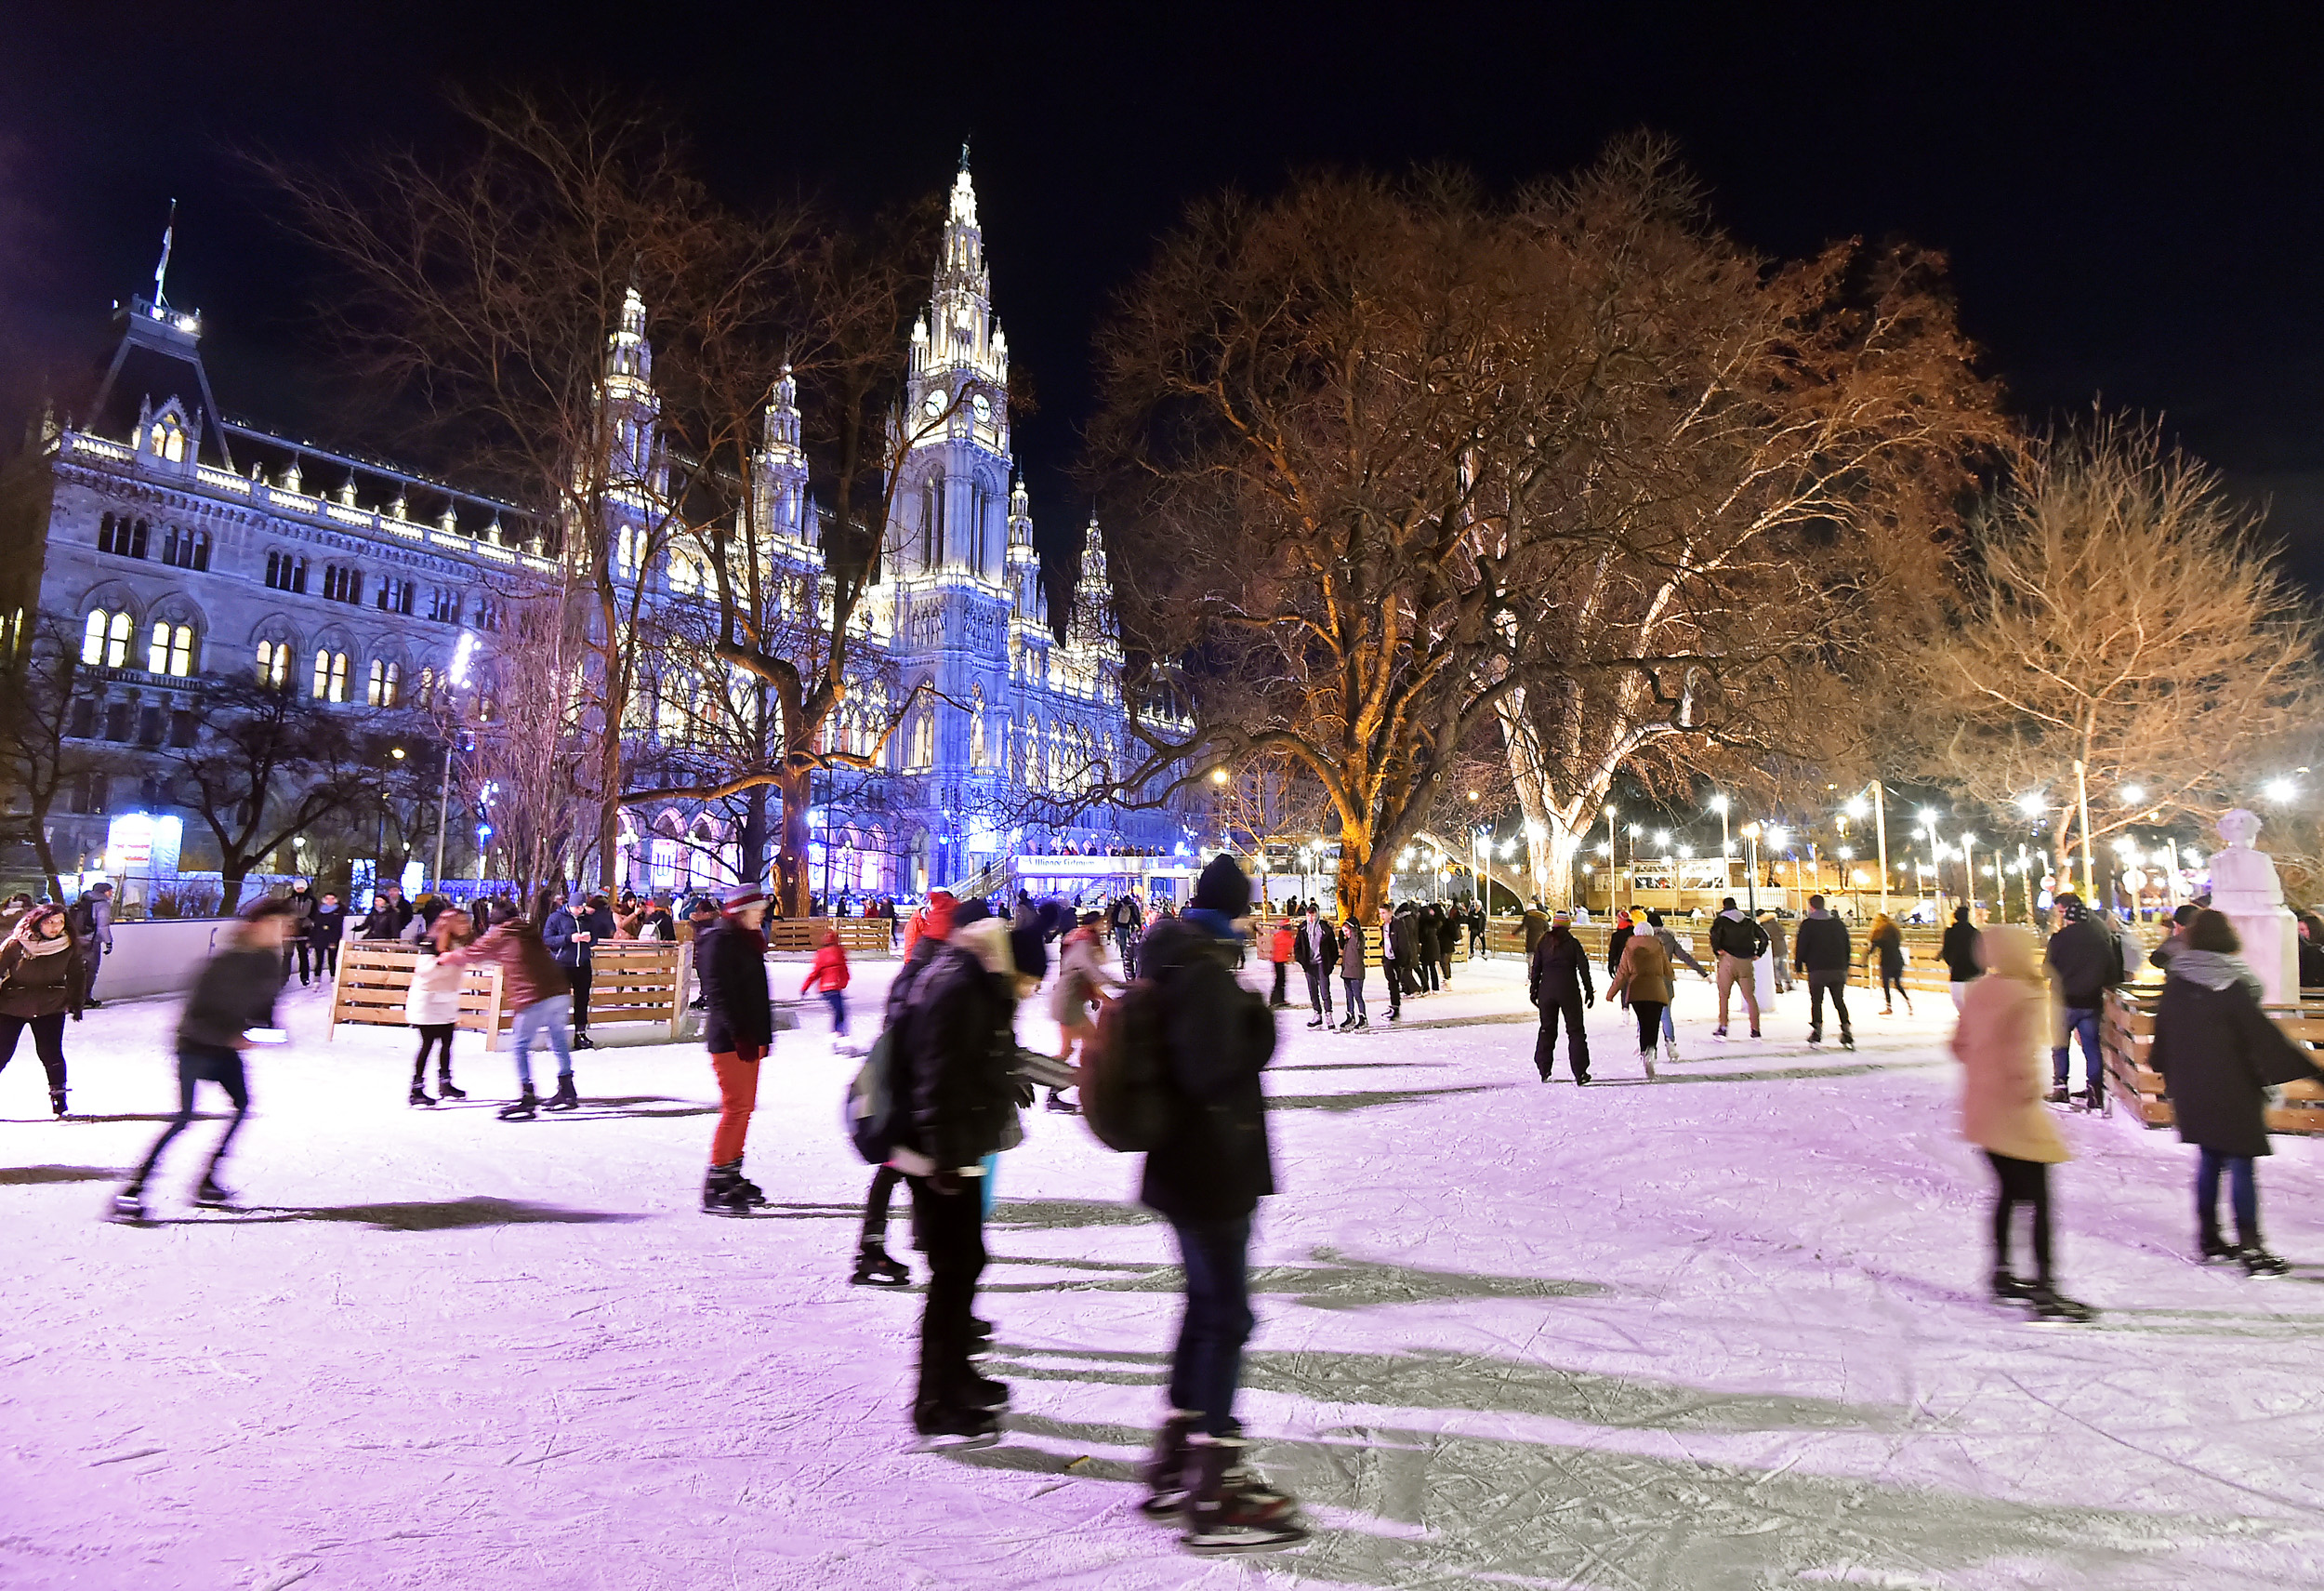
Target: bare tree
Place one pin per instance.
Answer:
(2125, 649)
(528, 770)
(261, 765)
(38, 670)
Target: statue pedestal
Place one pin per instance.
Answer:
(2271, 946)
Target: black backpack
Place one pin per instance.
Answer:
(1126, 1096)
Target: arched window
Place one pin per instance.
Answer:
(342, 583)
(330, 675)
(169, 440)
(286, 571)
(444, 606)
(274, 660)
(186, 548)
(170, 651)
(387, 682)
(105, 641)
(924, 741)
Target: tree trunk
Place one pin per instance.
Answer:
(750, 852)
(45, 851)
(230, 873)
(793, 885)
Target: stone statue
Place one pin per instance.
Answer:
(2245, 890)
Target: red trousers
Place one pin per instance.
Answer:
(738, 1097)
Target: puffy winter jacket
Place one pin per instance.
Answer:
(954, 1047)
(731, 963)
(1317, 944)
(2084, 961)
(41, 986)
(2217, 1050)
(1821, 945)
(435, 993)
(829, 970)
(1215, 1164)
(1282, 947)
(1644, 975)
(1732, 933)
(1560, 970)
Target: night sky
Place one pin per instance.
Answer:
(2135, 207)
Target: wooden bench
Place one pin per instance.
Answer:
(632, 980)
(858, 936)
(2126, 1037)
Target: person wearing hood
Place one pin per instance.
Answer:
(1558, 983)
(1998, 1042)
(2175, 941)
(1820, 953)
(1737, 942)
(42, 982)
(2085, 960)
(953, 1082)
(1645, 982)
(1282, 949)
(1206, 1176)
(829, 973)
(738, 1030)
(1959, 952)
(2218, 1054)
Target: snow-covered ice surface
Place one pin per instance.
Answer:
(1722, 1332)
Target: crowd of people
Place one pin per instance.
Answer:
(1165, 1047)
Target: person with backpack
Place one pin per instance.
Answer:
(738, 1030)
(953, 1092)
(930, 926)
(1737, 942)
(1820, 953)
(1317, 949)
(2219, 1055)
(2084, 961)
(1558, 983)
(533, 989)
(1959, 952)
(1282, 948)
(1178, 1077)
(92, 924)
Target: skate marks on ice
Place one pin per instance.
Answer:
(409, 1215)
(1365, 1099)
(1394, 1507)
(1334, 1282)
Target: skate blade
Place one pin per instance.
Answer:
(944, 1444)
(1240, 1546)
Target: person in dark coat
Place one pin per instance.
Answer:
(1619, 940)
(1535, 922)
(2218, 1054)
(1429, 941)
(738, 1030)
(1351, 958)
(233, 998)
(2085, 960)
(1559, 984)
(302, 905)
(390, 914)
(1318, 952)
(43, 981)
(1820, 953)
(954, 1056)
(2310, 950)
(1959, 952)
(326, 927)
(1205, 1177)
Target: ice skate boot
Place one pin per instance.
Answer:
(128, 1205)
(1646, 1059)
(2007, 1289)
(2053, 1308)
(524, 1109)
(980, 1335)
(2056, 1096)
(1231, 1508)
(873, 1268)
(56, 1103)
(583, 1042)
(1169, 1469)
(982, 1392)
(208, 1194)
(944, 1427)
(444, 1089)
(2258, 1262)
(1061, 1105)
(1847, 1041)
(2211, 1246)
(565, 1098)
(421, 1096)
(1670, 1051)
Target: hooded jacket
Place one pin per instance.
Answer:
(1317, 945)
(1821, 944)
(2084, 961)
(1215, 1164)
(1734, 934)
(1558, 972)
(956, 1047)
(1643, 977)
(1999, 1043)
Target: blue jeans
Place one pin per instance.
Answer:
(543, 1021)
(2243, 1193)
(2085, 1023)
(214, 1063)
(1206, 1366)
(1355, 998)
(837, 1000)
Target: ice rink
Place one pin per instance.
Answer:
(1727, 1330)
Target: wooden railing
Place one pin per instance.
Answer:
(631, 980)
(374, 979)
(2126, 1037)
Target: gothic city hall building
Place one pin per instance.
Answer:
(167, 547)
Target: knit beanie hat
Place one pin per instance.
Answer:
(1223, 887)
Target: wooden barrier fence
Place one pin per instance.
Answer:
(632, 980)
(2126, 1037)
(858, 936)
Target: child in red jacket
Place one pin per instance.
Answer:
(829, 973)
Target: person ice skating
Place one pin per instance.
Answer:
(955, 1056)
(2218, 1054)
(1885, 946)
(432, 1004)
(43, 981)
(1317, 949)
(1391, 969)
(233, 998)
(1124, 918)
(738, 1030)
(326, 928)
(1959, 952)
(1206, 1176)
(302, 904)
(830, 975)
(1778, 950)
(1080, 993)
(1820, 953)
(1645, 979)
(1281, 948)
(1425, 944)
(1448, 939)
(2084, 961)
(92, 923)
(533, 989)
(874, 1265)
(1737, 942)
(1558, 983)
(1678, 953)
(1535, 923)
(1351, 958)
(1998, 1042)
(1617, 939)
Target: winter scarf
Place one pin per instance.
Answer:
(2215, 970)
(36, 946)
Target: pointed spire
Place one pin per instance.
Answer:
(160, 271)
(964, 155)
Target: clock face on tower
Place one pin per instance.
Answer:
(984, 407)
(934, 402)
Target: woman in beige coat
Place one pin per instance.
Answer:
(2005, 1022)
(1643, 975)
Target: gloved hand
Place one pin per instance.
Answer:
(1590, 999)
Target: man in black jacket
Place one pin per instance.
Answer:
(324, 930)
(390, 914)
(1317, 949)
(1558, 982)
(953, 1050)
(1819, 952)
(738, 1030)
(2084, 961)
(1205, 1177)
(1432, 948)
